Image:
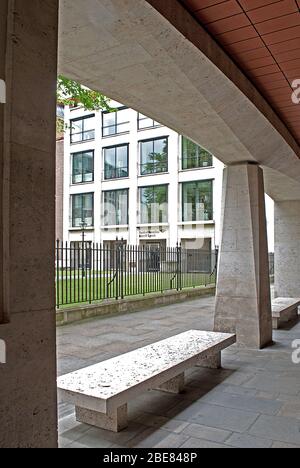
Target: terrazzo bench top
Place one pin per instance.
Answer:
(282, 304)
(115, 382)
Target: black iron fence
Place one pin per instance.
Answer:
(87, 272)
(271, 264)
(272, 268)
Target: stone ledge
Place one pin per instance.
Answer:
(129, 305)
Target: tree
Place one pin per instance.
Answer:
(157, 163)
(72, 93)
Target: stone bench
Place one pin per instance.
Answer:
(101, 392)
(284, 310)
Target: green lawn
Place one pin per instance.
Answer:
(73, 288)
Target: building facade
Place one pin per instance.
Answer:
(59, 193)
(128, 177)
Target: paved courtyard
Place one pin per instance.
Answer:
(253, 402)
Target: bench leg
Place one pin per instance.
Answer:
(213, 361)
(294, 315)
(285, 319)
(115, 420)
(175, 385)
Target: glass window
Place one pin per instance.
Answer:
(83, 210)
(145, 122)
(154, 204)
(154, 156)
(115, 208)
(83, 129)
(116, 162)
(197, 199)
(83, 167)
(194, 156)
(116, 122)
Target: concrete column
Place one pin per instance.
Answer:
(28, 63)
(243, 303)
(287, 249)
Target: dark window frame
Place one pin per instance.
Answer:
(116, 124)
(121, 145)
(83, 119)
(93, 209)
(139, 119)
(140, 202)
(183, 184)
(141, 155)
(104, 192)
(82, 153)
(185, 159)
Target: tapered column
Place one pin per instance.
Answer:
(28, 64)
(243, 303)
(287, 249)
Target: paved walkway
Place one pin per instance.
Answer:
(253, 402)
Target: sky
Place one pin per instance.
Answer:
(270, 222)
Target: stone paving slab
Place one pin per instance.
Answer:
(207, 433)
(242, 402)
(202, 444)
(276, 382)
(291, 409)
(216, 416)
(278, 429)
(247, 441)
(263, 381)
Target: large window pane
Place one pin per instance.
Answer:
(197, 199)
(145, 122)
(109, 163)
(109, 124)
(123, 119)
(116, 122)
(115, 208)
(89, 129)
(122, 161)
(83, 210)
(147, 150)
(82, 129)
(83, 167)
(88, 167)
(194, 156)
(154, 156)
(77, 169)
(154, 204)
(116, 162)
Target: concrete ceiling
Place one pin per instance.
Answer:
(263, 38)
(154, 56)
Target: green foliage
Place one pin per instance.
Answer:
(158, 196)
(70, 93)
(60, 126)
(157, 163)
